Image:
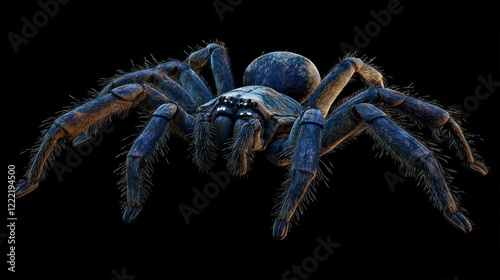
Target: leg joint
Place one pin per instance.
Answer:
(368, 112)
(166, 111)
(129, 92)
(173, 68)
(312, 116)
(356, 62)
(390, 97)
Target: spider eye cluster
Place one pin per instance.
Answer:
(231, 114)
(237, 107)
(238, 102)
(227, 100)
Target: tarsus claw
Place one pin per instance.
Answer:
(25, 188)
(130, 213)
(478, 167)
(280, 229)
(84, 138)
(459, 220)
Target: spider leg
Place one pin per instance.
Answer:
(422, 113)
(411, 153)
(431, 116)
(341, 124)
(143, 153)
(304, 153)
(175, 78)
(331, 86)
(166, 73)
(346, 121)
(337, 129)
(83, 118)
(219, 63)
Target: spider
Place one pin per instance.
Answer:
(284, 110)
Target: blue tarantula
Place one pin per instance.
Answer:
(284, 110)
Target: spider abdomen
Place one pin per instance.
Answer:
(286, 72)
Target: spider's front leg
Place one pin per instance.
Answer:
(143, 153)
(303, 150)
(147, 89)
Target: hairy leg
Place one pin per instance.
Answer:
(304, 153)
(147, 146)
(216, 55)
(331, 86)
(407, 150)
(81, 119)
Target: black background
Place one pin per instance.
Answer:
(72, 228)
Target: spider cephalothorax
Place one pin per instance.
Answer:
(247, 119)
(283, 110)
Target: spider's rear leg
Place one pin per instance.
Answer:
(337, 128)
(424, 115)
(81, 119)
(435, 118)
(411, 153)
(143, 153)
